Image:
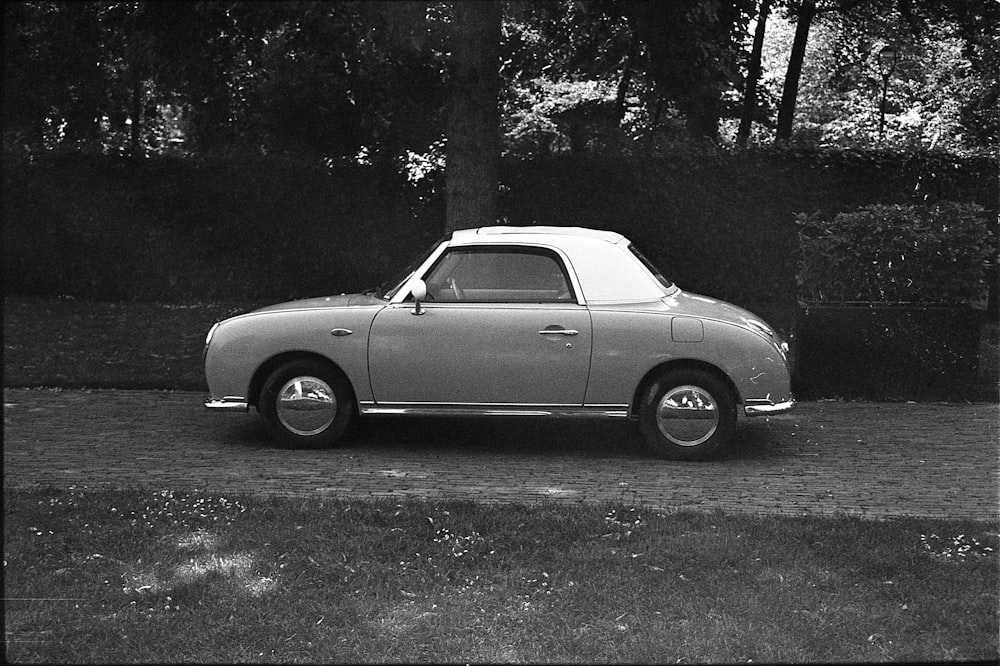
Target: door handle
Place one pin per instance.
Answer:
(558, 331)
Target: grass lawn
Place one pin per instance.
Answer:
(74, 344)
(99, 576)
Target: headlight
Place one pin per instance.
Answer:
(211, 332)
(761, 326)
(208, 339)
(776, 340)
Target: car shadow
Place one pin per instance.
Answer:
(500, 435)
(754, 441)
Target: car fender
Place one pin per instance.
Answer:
(628, 345)
(241, 345)
(758, 368)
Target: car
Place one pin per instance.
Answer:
(539, 321)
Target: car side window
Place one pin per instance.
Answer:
(499, 275)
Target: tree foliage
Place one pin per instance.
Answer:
(325, 77)
(942, 93)
(357, 80)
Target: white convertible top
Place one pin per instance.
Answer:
(463, 236)
(607, 271)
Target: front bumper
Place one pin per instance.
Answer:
(767, 407)
(228, 404)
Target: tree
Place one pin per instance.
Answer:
(684, 52)
(804, 11)
(753, 74)
(131, 44)
(371, 81)
(693, 49)
(53, 60)
(473, 149)
(571, 72)
(942, 92)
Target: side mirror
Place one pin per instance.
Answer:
(419, 292)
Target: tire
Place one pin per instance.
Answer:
(307, 405)
(668, 432)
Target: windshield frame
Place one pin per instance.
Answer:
(391, 287)
(651, 267)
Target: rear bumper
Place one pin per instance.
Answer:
(767, 407)
(228, 404)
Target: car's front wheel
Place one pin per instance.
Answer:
(687, 414)
(307, 404)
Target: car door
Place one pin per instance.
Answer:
(499, 326)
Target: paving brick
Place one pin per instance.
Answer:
(876, 460)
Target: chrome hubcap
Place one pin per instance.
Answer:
(306, 405)
(687, 415)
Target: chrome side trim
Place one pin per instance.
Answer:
(765, 407)
(447, 409)
(230, 403)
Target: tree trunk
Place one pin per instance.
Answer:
(753, 75)
(136, 113)
(626, 79)
(655, 122)
(701, 114)
(786, 112)
(472, 170)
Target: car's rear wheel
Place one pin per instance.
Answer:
(687, 414)
(307, 404)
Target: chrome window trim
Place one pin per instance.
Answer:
(421, 273)
(514, 249)
(404, 292)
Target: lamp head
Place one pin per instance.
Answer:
(887, 58)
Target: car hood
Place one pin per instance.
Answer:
(342, 301)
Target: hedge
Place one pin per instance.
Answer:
(176, 230)
(922, 254)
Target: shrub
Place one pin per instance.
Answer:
(936, 254)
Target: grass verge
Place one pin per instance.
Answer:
(100, 576)
(83, 344)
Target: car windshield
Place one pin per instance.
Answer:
(388, 289)
(650, 266)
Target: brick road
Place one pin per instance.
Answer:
(875, 460)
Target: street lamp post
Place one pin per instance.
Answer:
(886, 64)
